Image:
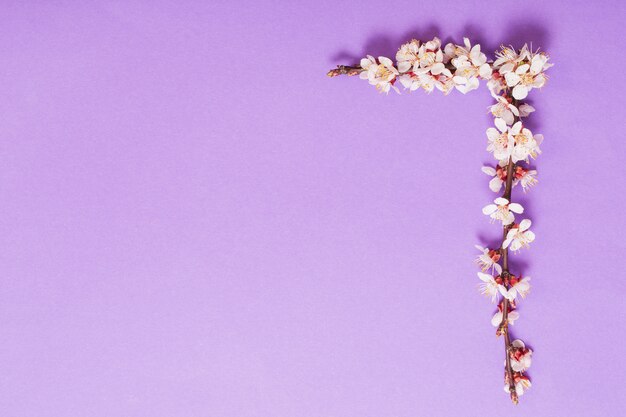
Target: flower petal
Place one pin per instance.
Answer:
(506, 294)
(492, 133)
(437, 68)
(485, 277)
(496, 319)
(501, 124)
(404, 66)
(520, 92)
(489, 170)
(506, 68)
(512, 79)
(537, 65)
(490, 209)
(495, 184)
(385, 61)
(485, 70)
(501, 201)
(525, 110)
(524, 225)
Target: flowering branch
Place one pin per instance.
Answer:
(510, 78)
(503, 327)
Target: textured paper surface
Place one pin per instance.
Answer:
(197, 222)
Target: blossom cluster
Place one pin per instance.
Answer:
(509, 78)
(520, 70)
(513, 146)
(524, 176)
(429, 66)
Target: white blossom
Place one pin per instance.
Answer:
(470, 63)
(381, 73)
(525, 110)
(496, 84)
(521, 356)
(509, 56)
(499, 177)
(522, 384)
(488, 286)
(410, 81)
(466, 84)
(525, 143)
(500, 142)
(510, 318)
(528, 178)
(430, 59)
(526, 77)
(488, 259)
(505, 110)
(516, 286)
(408, 55)
(519, 236)
(503, 210)
(444, 84)
(423, 65)
(523, 71)
(430, 54)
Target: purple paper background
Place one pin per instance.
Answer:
(197, 222)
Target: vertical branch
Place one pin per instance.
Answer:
(504, 325)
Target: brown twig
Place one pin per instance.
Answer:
(504, 325)
(349, 70)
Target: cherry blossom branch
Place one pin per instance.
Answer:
(509, 77)
(503, 328)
